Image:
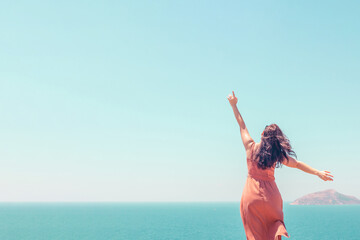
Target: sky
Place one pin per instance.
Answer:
(126, 100)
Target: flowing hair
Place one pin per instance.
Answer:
(274, 148)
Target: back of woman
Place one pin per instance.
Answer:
(253, 169)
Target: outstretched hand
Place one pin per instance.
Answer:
(232, 99)
(325, 175)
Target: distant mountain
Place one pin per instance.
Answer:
(327, 197)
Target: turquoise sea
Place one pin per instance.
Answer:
(160, 221)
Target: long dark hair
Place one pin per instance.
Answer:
(274, 148)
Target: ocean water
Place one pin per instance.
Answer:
(160, 221)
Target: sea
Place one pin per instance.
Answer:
(164, 221)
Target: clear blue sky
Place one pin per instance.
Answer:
(109, 101)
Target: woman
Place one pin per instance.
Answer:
(261, 203)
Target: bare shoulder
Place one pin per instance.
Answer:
(255, 146)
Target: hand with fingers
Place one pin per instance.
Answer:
(232, 99)
(325, 175)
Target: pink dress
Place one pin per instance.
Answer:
(261, 205)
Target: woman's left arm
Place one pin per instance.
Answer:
(245, 136)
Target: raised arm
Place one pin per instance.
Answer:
(245, 136)
(293, 163)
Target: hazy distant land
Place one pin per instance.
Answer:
(327, 197)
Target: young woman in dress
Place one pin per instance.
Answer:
(261, 205)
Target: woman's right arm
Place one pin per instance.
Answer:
(293, 163)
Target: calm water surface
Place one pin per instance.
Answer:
(158, 221)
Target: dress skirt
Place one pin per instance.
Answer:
(261, 209)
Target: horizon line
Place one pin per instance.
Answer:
(124, 201)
